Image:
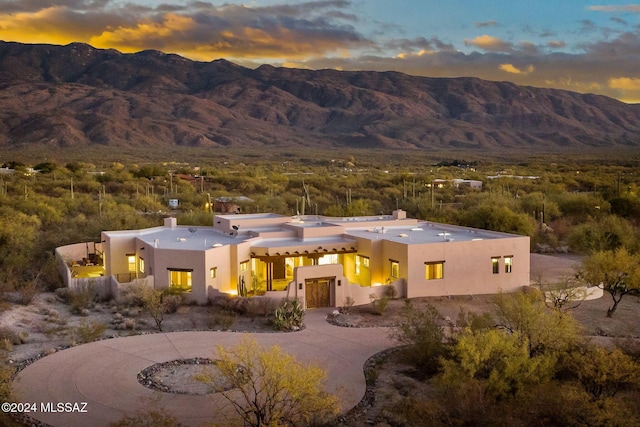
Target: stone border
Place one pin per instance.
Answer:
(145, 377)
(360, 410)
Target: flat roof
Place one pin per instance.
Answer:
(408, 231)
(188, 238)
(427, 232)
(241, 217)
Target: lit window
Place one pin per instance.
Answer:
(434, 270)
(180, 280)
(395, 269)
(131, 261)
(495, 265)
(361, 261)
(141, 264)
(213, 272)
(328, 259)
(508, 264)
(244, 266)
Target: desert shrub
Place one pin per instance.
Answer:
(227, 302)
(266, 306)
(346, 305)
(152, 418)
(289, 316)
(172, 302)
(421, 332)
(629, 346)
(88, 331)
(11, 337)
(6, 390)
(80, 299)
(83, 298)
(133, 296)
(28, 291)
(379, 304)
(390, 292)
(223, 318)
(252, 308)
(410, 410)
(63, 293)
(474, 321)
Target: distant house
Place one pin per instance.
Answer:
(457, 183)
(471, 183)
(319, 260)
(231, 204)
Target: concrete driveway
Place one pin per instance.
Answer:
(104, 374)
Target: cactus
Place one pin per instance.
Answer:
(242, 287)
(289, 316)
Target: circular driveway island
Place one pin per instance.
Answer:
(103, 374)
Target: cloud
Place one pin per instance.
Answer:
(617, 8)
(528, 48)
(489, 23)
(489, 43)
(625, 83)
(556, 44)
(11, 6)
(416, 46)
(510, 68)
(198, 29)
(588, 26)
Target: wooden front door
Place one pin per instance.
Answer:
(318, 292)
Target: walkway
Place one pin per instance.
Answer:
(103, 374)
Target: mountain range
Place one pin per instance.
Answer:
(76, 95)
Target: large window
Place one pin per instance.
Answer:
(495, 264)
(434, 270)
(244, 266)
(180, 280)
(508, 264)
(394, 269)
(131, 262)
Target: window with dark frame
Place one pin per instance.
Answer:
(394, 269)
(495, 264)
(180, 279)
(434, 270)
(508, 264)
(131, 262)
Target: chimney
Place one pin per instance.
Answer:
(170, 222)
(399, 214)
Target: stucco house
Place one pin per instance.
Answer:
(319, 260)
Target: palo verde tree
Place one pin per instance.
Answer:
(268, 387)
(604, 372)
(499, 363)
(544, 330)
(617, 272)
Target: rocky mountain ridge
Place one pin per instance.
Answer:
(77, 95)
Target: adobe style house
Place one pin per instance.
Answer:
(319, 260)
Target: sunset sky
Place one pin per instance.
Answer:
(580, 45)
